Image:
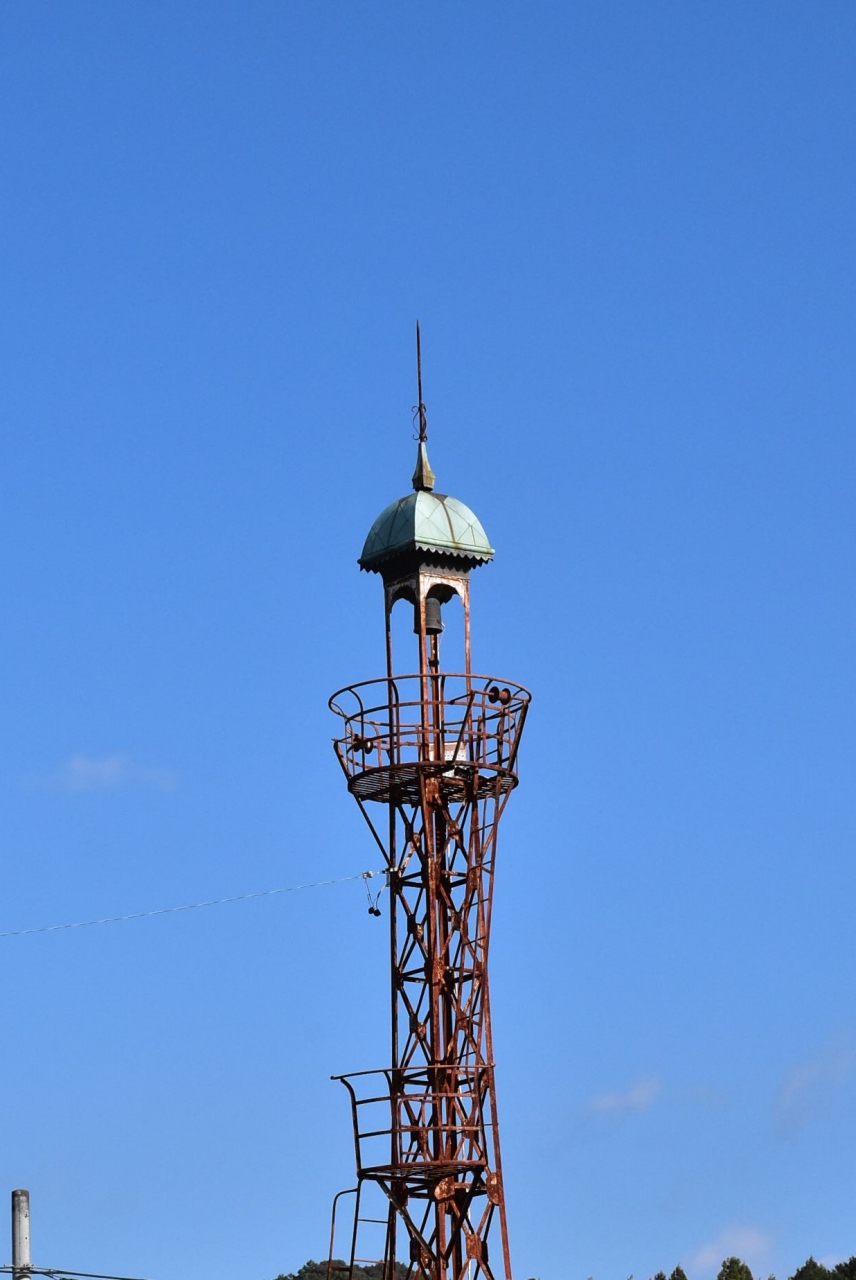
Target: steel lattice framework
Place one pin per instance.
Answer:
(430, 759)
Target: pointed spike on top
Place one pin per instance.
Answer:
(423, 476)
(423, 419)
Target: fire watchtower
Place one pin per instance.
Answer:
(430, 759)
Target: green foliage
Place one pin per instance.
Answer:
(811, 1270)
(309, 1271)
(734, 1269)
(731, 1269)
(318, 1271)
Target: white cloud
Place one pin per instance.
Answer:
(811, 1083)
(103, 773)
(639, 1097)
(85, 773)
(748, 1243)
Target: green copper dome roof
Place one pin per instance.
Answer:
(426, 522)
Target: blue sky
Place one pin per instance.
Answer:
(628, 232)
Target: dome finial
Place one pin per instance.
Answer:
(423, 476)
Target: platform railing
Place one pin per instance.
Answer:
(410, 1124)
(445, 720)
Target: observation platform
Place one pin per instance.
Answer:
(399, 731)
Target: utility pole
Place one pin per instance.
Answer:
(21, 1262)
(22, 1267)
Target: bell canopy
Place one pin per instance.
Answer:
(425, 526)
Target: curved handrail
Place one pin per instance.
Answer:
(428, 1123)
(517, 691)
(476, 722)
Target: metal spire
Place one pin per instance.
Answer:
(423, 476)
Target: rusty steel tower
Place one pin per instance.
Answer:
(430, 758)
